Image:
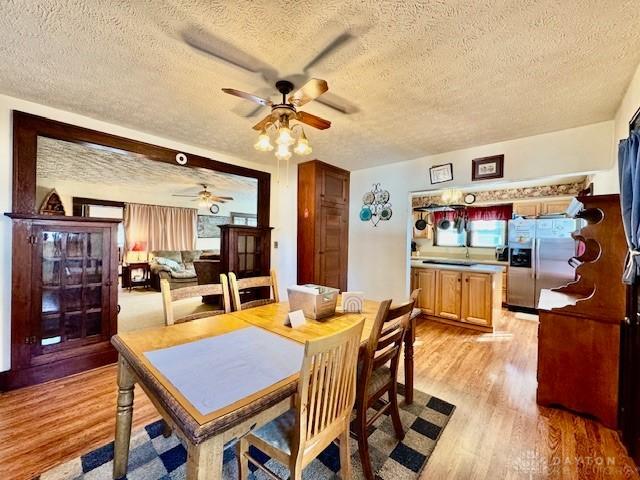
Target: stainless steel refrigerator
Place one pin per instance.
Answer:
(540, 251)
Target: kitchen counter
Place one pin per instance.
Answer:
(488, 261)
(475, 268)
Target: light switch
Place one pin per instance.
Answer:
(275, 244)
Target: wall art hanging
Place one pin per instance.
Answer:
(376, 205)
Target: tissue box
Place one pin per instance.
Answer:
(315, 301)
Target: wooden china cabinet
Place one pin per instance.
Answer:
(65, 278)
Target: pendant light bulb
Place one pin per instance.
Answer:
(303, 147)
(283, 153)
(285, 137)
(264, 142)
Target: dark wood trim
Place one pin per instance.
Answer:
(60, 218)
(476, 162)
(27, 128)
(79, 202)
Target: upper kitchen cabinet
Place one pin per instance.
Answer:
(544, 207)
(323, 224)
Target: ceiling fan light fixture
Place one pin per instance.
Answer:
(264, 142)
(303, 147)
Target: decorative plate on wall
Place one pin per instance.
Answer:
(376, 205)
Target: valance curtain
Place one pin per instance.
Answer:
(629, 175)
(493, 212)
(160, 228)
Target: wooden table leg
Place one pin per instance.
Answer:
(409, 339)
(204, 461)
(124, 414)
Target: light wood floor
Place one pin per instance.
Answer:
(497, 431)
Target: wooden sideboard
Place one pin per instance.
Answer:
(323, 224)
(465, 297)
(579, 331)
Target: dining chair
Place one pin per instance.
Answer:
(378, 374)
(170, 296)
(238, 285)
(323, 405)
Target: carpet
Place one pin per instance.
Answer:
(153, 457)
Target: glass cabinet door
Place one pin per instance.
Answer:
(74, 285)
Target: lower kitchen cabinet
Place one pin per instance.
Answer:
(477, 302)
(425, 280)
(460, 297)
(448, 294)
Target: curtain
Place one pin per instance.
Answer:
(493, 212)
(160, 228)
(628, 165)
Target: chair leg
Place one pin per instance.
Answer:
(295, 471)
(395, 411)
(243, 463)
(345, 454)
(166, 429)
(363, 445)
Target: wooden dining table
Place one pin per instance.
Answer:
(205, 435)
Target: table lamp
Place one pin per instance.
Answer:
(137, 248)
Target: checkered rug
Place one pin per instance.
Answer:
(153, 457)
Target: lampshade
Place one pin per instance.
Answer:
(139, 247)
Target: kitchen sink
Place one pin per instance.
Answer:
(464, 263)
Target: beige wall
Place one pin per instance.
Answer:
(607, 181)
(378, 258)
(283, 206)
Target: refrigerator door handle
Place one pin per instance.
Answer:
(537, 257)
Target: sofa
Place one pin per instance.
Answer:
(176, 266)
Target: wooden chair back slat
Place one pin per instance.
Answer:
(170, 296)
(240, 284)
(326, 388)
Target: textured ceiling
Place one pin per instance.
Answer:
(426, 77)
(59, 161)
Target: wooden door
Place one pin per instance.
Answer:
(526, 209)
(72, 290)
(332, 254)
(426, 281)
(476, 298)
(448, 294)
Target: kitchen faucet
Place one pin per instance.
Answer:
(466, 253)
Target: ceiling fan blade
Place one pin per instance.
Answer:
(248, 96)
(190, 196)
(314, 121)
(309, 91)
(216, 197)
(338, 103)
(337, 43)
(262, 124)
(209, 44)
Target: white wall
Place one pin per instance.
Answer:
(283, 205)
(607, 181)
(378, 257)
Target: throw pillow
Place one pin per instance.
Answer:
(172, 264)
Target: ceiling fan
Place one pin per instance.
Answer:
(209, 44)
(283, 113)
(206, 197)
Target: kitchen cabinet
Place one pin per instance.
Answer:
(425, 280)
(553, 207)
(448, 294)
(544, 207)
(476, 298)
(469, 297)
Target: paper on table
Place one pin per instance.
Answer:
(215, 372)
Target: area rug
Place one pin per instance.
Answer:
(153, 457)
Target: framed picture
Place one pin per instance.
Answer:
(441, 173)
(486, 168)
(208, 225)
